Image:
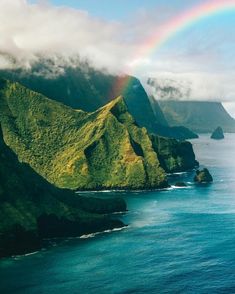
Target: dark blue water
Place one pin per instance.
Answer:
(178, 241)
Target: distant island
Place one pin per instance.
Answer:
(218, 134)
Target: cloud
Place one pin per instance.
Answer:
(29, 31)
(197, 62)
(191, 86)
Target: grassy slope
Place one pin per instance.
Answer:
(88, 89)
(78, 150)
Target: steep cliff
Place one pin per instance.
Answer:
(32, 209)
(79, 150)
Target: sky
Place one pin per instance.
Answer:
(113, 9)
(111, 34)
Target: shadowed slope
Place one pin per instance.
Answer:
(31, 208)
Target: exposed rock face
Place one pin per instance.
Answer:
(217, 134)
(32, 209)
(174, 156)
(79, 150)
(203, 176)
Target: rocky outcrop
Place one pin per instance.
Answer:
(174, 156)
(218, 134)
(203, 176)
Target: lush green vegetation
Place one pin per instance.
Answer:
(79, 150)
(174, 156)
(203, 176)
(88, 89)
(76, 150)
(31, 208)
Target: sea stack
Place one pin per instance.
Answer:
(203, 176)
(218, 134)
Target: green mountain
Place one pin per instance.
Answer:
(32, 209)
(177, 132)
(88, 89)
(85, 150)
(201, 117)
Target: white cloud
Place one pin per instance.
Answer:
(31, 30)
(195, 63)
(191, 86)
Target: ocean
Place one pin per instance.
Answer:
(179, 240)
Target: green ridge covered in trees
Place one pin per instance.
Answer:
(82, 150)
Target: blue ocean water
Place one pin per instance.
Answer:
(178, 241)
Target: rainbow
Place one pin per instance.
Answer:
(168, 30)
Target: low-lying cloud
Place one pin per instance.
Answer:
(191, 86)
(193, 67)
(32, 31)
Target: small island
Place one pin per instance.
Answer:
(218, 134)
(203, 176)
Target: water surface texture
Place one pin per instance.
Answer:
(178, 241)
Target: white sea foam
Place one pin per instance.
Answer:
(100, 191)
(177, 187)
(31, 253)
(177, 173)
(103, 232)
(24, 255)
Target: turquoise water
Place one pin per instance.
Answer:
(178, 241)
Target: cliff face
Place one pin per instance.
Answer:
(88, 89)
(32, 209)
(174, 156)
(79, 150)
(201, 117)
